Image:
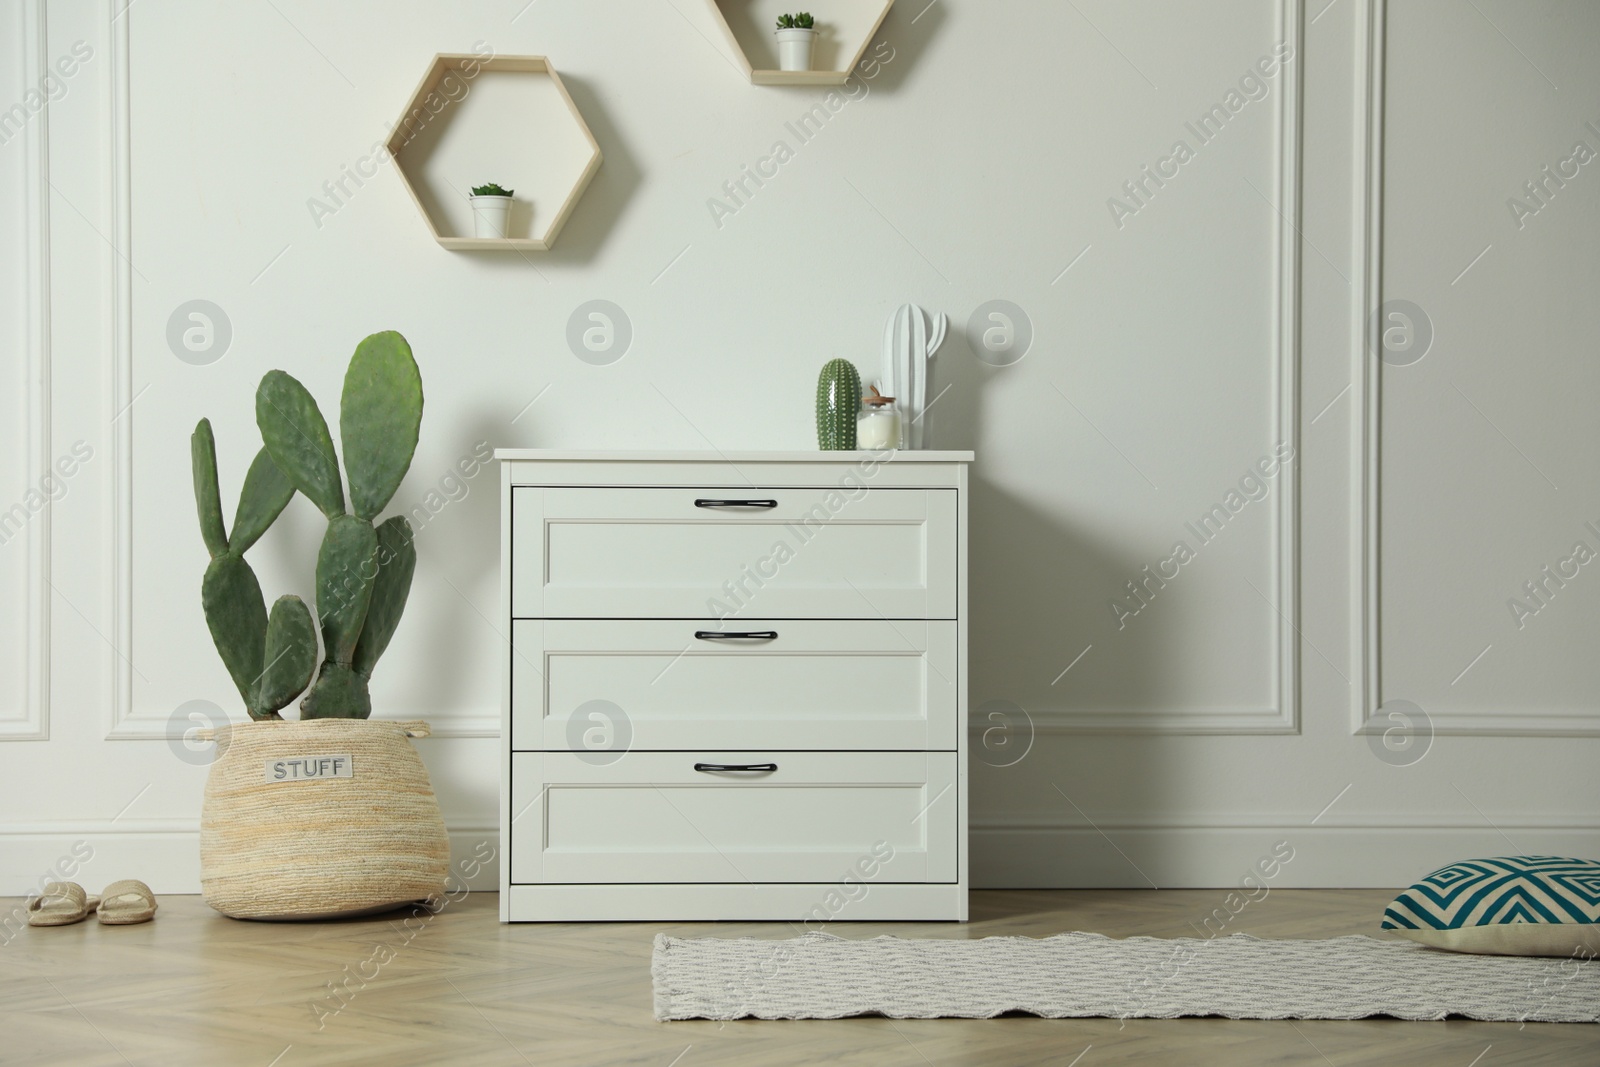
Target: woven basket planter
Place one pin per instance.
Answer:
(320, 819)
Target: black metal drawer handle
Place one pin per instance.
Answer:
(736, 635)
(764, 768)
(704, 503)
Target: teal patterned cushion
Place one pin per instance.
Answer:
(1511, 905)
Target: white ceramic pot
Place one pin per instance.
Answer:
(491, 216)
(794, 49)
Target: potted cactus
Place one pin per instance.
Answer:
(491, 210)
(838, 405)
(796, 34)
(332, 814)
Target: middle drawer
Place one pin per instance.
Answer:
(653, 685)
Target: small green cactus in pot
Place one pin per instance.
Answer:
(838, 403)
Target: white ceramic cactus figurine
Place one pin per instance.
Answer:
(909, 343)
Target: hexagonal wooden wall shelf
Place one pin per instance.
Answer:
(847, 28)
(504, 119)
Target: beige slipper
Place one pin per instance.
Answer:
(61, 904)
(127, 902)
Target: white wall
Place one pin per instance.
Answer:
(1177, 342)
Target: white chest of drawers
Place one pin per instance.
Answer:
(734, 686)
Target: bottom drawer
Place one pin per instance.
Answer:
(652, 817)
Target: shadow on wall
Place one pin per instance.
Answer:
(455, 511)
(1031, 570)
(619, 176)
(608, 193)
(1028, 565)
(909, 29)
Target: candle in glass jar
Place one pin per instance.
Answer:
(878, 424)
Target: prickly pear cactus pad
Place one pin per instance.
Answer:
(380, 418)
(838, 403)
(236, 614)
(296, 434)
(291, 654)
(270, 661)
(363, 572)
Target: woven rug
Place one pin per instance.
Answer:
(820, 976)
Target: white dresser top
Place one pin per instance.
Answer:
(706, 456)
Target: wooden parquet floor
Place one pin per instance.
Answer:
(459, 988)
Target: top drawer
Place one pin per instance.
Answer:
(723, 552)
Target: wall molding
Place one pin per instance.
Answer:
(119, 390)
(1368, 242)
(168, 850)
(31, 722)
(1236, 821)
(1283, 715)
(1021, 854)
(167, 827)
(1011, 852)
(1366, 467)
(127, 722)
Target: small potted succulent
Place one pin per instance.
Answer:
(491, 210)
(796, 35)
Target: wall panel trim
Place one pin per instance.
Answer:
(30, 50)
(1366, 466)
(1283, 715)
(126, 720)
(119, 394)
(1022, 855)
(167, 852)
